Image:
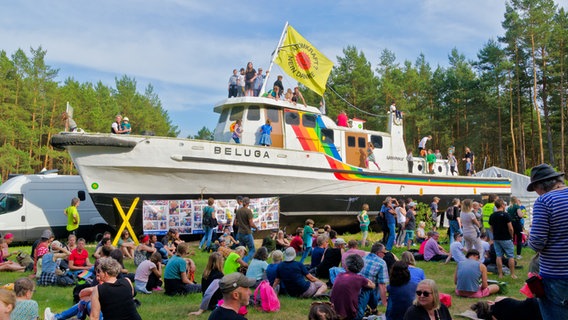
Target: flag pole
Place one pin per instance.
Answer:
(274, 55)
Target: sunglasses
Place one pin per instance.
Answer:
(426, 294)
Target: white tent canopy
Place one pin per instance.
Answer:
(519, 184)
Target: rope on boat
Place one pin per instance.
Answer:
(352, 106)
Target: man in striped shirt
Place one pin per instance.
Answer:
(549, 237)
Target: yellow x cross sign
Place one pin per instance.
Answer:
(125, 220)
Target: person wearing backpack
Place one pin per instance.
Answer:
(453, 216)
(516, 214)
(209, 223)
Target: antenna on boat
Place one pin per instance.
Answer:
(274, 55)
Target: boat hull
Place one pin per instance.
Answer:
(308, 184)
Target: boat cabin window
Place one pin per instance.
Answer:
(351, 141)
(224, 115)
(81, 195)
(237, 113)
(327, 136)
(309, 120)
(358, 142)
(377, 141)
(10, 202)
(253, 113)
(273, 115)
(292, 118)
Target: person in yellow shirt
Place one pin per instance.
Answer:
(73, 218)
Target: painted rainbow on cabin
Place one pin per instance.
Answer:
(310, 141)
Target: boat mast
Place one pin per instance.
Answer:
(274, 55)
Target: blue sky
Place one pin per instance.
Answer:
(187, 49)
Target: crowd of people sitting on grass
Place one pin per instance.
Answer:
(347, 281)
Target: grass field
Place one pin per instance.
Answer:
(159, 306)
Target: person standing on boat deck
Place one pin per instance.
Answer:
(250, 76)
(430, 159)
(469, 155)
(237, 131)
(246, 224)
(371, 155)
(241, 83)
(422, 146)
(278, 83)
(265, 131)
(297, 94)
(116, 126)
(410, 160)
(452, 161)
(259, 81)
(438, 154)
(342, 119)
(233, 89)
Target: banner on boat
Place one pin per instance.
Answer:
(186, 215)
(303, 62)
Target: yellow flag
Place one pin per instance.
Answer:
(303, 62)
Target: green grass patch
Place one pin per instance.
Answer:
(159, 306)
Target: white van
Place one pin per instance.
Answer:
(30, 204)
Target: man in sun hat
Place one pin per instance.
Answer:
(293, 275)
(236, 293)
(549, 237)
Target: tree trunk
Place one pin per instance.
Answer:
(545, 109)
(535, 102)
(511, 126)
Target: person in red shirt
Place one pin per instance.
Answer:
(297, 243)
(342, 119)
(79, 258)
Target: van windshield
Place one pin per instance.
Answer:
(10, 202)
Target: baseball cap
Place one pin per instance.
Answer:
(234, 280)
(46, 234)
(125, 119)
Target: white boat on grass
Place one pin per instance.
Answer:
(314, 167)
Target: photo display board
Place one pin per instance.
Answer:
(186, 215)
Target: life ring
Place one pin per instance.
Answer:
(397, 121)
(232, 127)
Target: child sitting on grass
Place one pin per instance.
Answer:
(148, 274)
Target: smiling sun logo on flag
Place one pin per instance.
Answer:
(303, 62)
